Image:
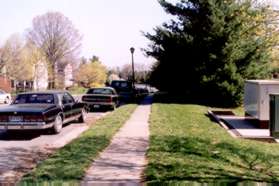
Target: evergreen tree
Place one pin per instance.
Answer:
(211, 47)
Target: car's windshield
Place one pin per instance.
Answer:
(99, 91)
(34, 98)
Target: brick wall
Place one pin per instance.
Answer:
(5, 84)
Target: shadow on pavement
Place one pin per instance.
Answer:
(21, 135)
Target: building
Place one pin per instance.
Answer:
(40, 81)
(64, 76)
(5, 84)
(68, 74)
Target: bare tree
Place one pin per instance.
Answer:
(57, 38)
(141, 72)
(2, 62)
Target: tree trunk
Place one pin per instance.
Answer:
(52, 77)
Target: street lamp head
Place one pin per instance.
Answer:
(132, 49)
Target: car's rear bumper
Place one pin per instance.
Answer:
(99, 103)
(25, 125)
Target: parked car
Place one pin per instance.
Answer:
(41, 110)
(141, 93)
(125, 90)
(101, 97)
(5, 97)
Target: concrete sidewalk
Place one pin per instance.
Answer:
(123, 161)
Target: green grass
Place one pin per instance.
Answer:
(238, 111)
(71, 161)
(186, 146)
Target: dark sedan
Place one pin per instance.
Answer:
(101, 97)
(41, 110)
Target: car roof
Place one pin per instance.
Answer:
(121, 80)
(45, 92)
(102, 88)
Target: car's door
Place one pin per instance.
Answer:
(67, 105)
(76, 107)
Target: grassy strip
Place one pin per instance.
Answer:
(186, 146)
(71, 161)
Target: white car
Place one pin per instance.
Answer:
(5, 97)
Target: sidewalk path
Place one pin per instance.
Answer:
(123, 161)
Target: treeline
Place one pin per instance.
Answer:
(211, 47)
(142, 73)
(52, 42)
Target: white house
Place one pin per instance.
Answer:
(40, 76)
(68, 75)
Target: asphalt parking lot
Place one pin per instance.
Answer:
(21, 151)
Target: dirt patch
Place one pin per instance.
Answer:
(19, 161)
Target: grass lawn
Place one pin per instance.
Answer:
(186, 146)
(71, 161)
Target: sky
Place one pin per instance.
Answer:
(109, 27)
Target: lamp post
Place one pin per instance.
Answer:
(132, 49)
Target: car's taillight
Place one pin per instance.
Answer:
(34, 118)
(109, 99)
(3, 118)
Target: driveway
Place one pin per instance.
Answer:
(21, 151)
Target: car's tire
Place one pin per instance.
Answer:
(82, 117)
(58, 124)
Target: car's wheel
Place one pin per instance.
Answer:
(7, 100)
(58, 124)
(82, 117)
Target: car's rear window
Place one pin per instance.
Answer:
(100, 91)
(34, 98)
(122, 85)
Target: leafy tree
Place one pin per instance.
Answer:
(211, 47)
(92, 74)
(13, 57)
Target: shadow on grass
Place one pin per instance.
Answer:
(168, 98)
(69, 162)
(46, 183)
(198, 159)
